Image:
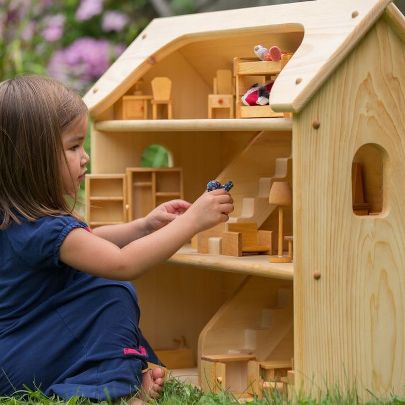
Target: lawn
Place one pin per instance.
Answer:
(178, 393)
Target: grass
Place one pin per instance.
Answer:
(178, 393)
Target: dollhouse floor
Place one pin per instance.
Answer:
(253, 265)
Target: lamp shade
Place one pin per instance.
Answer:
(280, 193)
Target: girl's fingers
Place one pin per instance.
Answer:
(226, 198)
(224, 217)
(227, 208)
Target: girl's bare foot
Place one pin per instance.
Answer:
(152, 385)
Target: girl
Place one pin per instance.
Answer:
(69, 321)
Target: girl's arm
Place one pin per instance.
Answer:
(92, 254)
(123, 234)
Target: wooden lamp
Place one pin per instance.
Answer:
(280, 194)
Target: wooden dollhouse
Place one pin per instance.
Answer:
(334, 130)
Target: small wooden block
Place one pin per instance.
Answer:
(280, 259)
(214, 245)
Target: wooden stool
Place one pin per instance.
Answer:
(225, 372)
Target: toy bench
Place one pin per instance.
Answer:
(244, 238)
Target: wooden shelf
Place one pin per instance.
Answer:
(252, 67)
(253, 111)
(196, 125)
(142, 183)
(250, 265)
(96, 198)
(168, 194)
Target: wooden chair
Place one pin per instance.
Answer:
(161, 93)
(223, 93)
(268, 376)
(244, 238)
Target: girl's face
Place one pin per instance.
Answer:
(74, 168)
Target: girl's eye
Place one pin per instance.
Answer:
(75, 147)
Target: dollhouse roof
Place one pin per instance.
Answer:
(331, 29)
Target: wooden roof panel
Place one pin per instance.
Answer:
(331, 30)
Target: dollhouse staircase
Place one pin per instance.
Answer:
(257, 209)
(253, 172)
(256, 323)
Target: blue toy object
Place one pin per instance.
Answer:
(228, 185)
(214, 185)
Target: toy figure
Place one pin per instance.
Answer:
(257, 95)
(214, 185)
(271, 54)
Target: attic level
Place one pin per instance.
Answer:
(195, 47)
(191, 73)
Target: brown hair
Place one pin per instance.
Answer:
(34, 112)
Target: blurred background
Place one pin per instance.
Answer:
(76, 40)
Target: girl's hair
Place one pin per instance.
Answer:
(34, 112)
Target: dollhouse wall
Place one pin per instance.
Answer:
(349, 278)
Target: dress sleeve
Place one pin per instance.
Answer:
(37, 243)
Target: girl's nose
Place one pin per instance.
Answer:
(85, 158)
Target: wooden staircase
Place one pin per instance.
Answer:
(265, 159)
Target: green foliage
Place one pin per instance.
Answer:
(155, 156)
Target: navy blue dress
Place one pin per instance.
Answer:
(61, 330)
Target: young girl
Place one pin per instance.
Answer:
(69, 322)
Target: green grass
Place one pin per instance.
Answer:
(177, 393)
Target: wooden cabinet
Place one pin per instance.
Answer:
(106, 201)
(135, 107)
(149, 187)
(249, 71)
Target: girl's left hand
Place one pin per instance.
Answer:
(165, 213)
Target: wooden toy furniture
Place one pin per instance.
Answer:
(248, 71)
(161, 91)
(280, 195)
(106, 199)
(244, 238)
(135, 107)
(268, 376)
(338, 309)
(149, 187)
(217, 371)
(289, 239)
(360, 206)
(223, 97)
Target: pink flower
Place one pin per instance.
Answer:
(88, 9)
(83, 62)
(114, 21)
(54, 28)
(28, 31)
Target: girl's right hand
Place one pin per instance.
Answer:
(210, 209)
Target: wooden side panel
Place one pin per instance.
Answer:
(350, 321)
